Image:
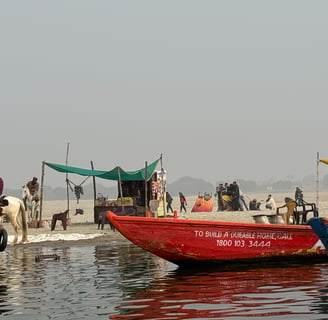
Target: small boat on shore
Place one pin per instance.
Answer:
(187, 242)
(203, 203)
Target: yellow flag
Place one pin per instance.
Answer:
(325, 161)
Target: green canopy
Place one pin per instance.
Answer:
(115, 174)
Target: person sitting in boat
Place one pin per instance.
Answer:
(270, 203)
(290, 204)
(254, 205)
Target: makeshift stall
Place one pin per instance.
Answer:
(140, 192)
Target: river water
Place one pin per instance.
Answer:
(121, 281)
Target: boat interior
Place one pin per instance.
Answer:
(290, 213)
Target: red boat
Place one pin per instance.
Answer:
(186, 242)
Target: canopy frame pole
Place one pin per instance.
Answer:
(163, 196)
(146, 188)
(94, 185)
(67, 187)
(120, 187)
(41, 192)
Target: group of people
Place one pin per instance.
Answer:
(169, 200)
(271, 204)
(255, 205)
(230, 197)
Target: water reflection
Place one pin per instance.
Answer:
(320, 304)
(131, 267)
(83, 284)
(271, 292)
(121, 281)
(24, 279)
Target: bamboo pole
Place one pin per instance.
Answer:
(41, 192)
(67, 189)
(146, 189)
(120, 187)
(163, 186)
(94, 185)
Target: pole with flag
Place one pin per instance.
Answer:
(317, 182)
(325, 161)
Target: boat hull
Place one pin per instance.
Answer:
(191, 241)
(202, 205)
(320, 227)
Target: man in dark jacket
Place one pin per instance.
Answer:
(169, 201)
(235, 196)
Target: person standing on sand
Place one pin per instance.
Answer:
(1, 190)
(235, 196)
(169, 201)
(219, 190)
(1, 186)
(183, 202)
(299, 196)
(33, 186)
(242, 201)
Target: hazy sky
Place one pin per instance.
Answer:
(223, 89)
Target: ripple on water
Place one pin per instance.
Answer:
(120, 281)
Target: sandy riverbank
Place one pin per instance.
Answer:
(82, 227)
(51, 207)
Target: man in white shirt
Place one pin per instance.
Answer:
(270, 203)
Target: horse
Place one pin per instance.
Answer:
(15, 211)
(31, 202)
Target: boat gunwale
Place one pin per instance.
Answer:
(206, 222)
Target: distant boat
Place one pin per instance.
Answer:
(186, 242)
(203, 203)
